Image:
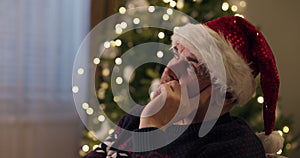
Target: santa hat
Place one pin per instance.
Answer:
(252, 55)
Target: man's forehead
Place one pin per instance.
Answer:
(182, 48)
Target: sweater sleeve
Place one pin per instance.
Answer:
(149, 142)
(134, 144)
(118, 137)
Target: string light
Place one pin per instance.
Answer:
(104, 85)
(119, 80)
(172, 3)
(101, 118)
(85, 148)
(159, 54)
(243, 3)
(118, 26)
(95, 146)
(119, 30)
(111, 131)
(260, 99)
(161, 35)
(85, 106)
(118, 61)
(102, 106)
(136, 21)
(113, 43)
(106, 44)
(75, 89)
(116, 98)
(105, 72)
(225, 6)
(165, 17)
(96, 61)
(80, 71)
(288, 146)
(89, 111)
(151, 9)
(279, 152)
(123, 25)
(122, 10)
(118, 42)
(166, 1)
(170, 11)
(234, 8)
(180, 4)
(285, 129)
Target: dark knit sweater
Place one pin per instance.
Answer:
(230, 137)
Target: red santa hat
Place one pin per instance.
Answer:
(253, 57)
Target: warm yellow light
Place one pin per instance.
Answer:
(80, 71)
(161, 35)
(136, 21)
(95, 146)
(160, 54)
(151, 9)
(118, 61)
(85, 106)
(75, 89)
(286, 129)
(89, 111)
(172, 3)
(118, 26)
(101, 118)
(85, 148)
(180, 4)
(113, 43)
(111, 131)
(116, 98)
(105, 72)
(170, 11)
(96, 61)
(165, 17)
(118, 42)
(106, 44)
(225, 6)
(288, 146)
(260, 99)
(119, 30)
(122, 10)
(123, 25)
(243, 3)
(119, 80)
(234, 8)
(279, 152)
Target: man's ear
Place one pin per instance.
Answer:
(230, 100)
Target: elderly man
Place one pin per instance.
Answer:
(182, 103)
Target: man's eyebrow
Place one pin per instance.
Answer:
(193, 59)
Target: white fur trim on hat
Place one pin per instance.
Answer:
(272, 143)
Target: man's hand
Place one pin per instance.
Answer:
(161, 110)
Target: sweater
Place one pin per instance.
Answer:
(230, 137)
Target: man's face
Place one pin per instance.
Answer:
(184, 59)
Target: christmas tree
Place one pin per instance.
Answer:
(145, 75)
